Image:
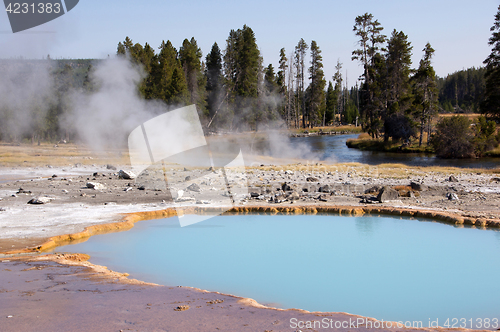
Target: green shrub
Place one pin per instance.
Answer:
(454, 138)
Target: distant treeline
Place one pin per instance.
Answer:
(459, 92)
(462, 91)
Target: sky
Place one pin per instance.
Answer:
(457, 29)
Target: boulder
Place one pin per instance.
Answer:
(128, 175)
(40, 200)
(96, 186)
(418, 186)
(452, 178)
(387, 194)
(111, 167)
(452, 196)
(324, 189)
(286, 187)
(194, 187)
(322, 198)
(312, 179)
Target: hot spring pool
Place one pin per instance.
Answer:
(382, 267)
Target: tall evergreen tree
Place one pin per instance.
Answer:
(330, 103)
(271, 90)
(370, 38)
(491, 104)
(281, 82)
(270, 80)
(300, 55)
(190, 58)
(337, 79)
(316, 102)
(398, 89)
(169, 87)
(242, 66)
(426, 93)
(214, 78)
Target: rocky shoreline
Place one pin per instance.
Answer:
(77, 197)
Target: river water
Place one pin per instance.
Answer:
(334, 148)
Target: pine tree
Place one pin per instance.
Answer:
(426, 93)
(399, 97)
(243, 68)
(316, 102)
(148, 59)
(177, 90)
(270, 93)
(300, 54)
(370, 39)
(330, 103)
(281, 81)
(491, 104)
(337, 79)
(214, 79)
(167, 86)
(190, 59)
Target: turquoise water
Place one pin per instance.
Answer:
(382, 267)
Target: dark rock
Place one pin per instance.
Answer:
(368, 200)
(286, 187)
(254, 195)
(96, 186)
(39, 200)
(22, 191)
(108, 166)
(324, 189)
(452, 178)
(387, 194)
(312, 179)
(418, 186)
(322, 198)
(54, 176)
(187, 178)
(194, 187)
(373, 190)
(452, 196)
